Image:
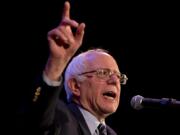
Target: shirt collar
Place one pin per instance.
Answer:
(90, 119)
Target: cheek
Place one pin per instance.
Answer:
(92, 89)
(119, 89)
(89, 89)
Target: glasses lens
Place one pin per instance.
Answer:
(107, 73)
(103, 73)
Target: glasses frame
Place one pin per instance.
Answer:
(122, 77)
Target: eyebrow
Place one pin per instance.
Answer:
(92, 71)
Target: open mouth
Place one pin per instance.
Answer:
(109, 94)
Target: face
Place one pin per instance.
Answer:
(97, 95)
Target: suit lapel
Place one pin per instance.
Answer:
(110, 131)
(78, 115)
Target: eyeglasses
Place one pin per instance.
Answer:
(105, 73)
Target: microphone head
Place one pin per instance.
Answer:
(136, 102)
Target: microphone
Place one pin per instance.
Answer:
(138, 102)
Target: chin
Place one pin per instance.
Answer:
(110, 110)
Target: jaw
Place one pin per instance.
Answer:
(108, 104)
(110, 99)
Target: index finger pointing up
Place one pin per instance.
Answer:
(66, 10)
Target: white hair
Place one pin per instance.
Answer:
(77, 66)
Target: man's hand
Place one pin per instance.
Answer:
(63, 43)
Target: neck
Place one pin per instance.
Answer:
(100, 116)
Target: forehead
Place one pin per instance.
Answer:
(101, 60)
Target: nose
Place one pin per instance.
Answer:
(113, 79)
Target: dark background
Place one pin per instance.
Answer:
(142, 36)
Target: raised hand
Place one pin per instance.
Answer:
(63, 43)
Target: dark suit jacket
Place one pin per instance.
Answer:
(48, 115)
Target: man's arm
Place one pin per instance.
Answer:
(63, 44)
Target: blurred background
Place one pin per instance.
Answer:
(142, 36)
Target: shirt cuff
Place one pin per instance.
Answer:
(50, 82)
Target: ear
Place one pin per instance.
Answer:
(74, 85)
